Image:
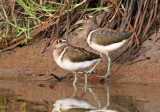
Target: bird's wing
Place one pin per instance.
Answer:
(106, 37)
(77, 54)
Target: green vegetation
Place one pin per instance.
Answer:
(10, 106)
(24, 20)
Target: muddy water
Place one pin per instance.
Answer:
(39, 96)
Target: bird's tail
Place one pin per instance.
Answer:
(126, 34)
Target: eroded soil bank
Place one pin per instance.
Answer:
(144, 67)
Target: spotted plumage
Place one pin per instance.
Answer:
(76, 54)
(102, 39)
(105, 37)
(72, 58)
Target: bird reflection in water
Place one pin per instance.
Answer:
(79, 104)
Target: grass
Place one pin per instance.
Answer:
(23, 21)
(33, 13)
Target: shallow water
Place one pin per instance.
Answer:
(39, 96)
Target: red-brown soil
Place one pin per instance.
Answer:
(144, 67)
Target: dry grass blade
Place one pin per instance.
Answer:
(55, 18)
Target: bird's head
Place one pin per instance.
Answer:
(88, 19)
(60, 42)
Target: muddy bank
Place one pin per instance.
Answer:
(144, 67)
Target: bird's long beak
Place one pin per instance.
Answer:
(78, 22)
(48, 48)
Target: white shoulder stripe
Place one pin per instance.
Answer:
(61, 55)
(89, 37)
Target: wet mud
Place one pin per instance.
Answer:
(39, 96)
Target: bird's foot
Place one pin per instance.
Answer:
(90, 72)
(87, 72)
(105, 76)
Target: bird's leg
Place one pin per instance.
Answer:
(74, 84)
(108, 98)
(92, 69)
(108, 70)
(95, 97)
(108, 102)
(109, 66)
(86, 80)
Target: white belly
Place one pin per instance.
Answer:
(74, 66)
(105, 49)
(69, 103)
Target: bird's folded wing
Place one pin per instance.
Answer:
(106, 37)
(76, 54)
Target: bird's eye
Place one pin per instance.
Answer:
(87, 17)
(60, 41)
